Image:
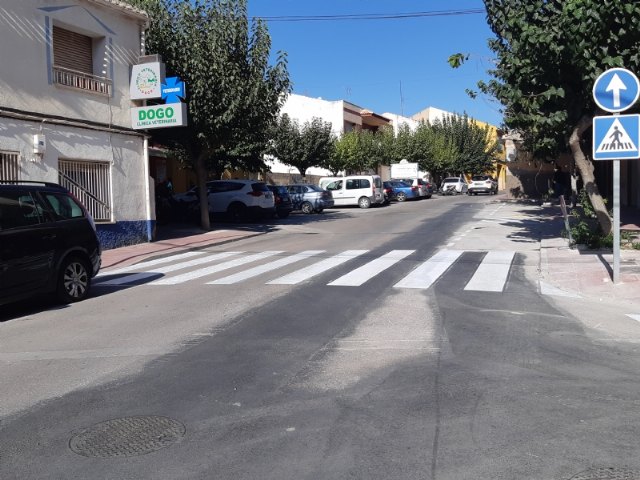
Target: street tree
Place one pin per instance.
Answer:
(548, 56)
(302, 147)
(475, 149)
(360, 151)
(234, 93)
(435, 152)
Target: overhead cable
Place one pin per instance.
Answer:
(371, 16)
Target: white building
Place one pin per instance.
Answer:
(431, 114)
(65, 108)
(343, 116)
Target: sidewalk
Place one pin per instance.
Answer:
(564, 271)
(170, 241)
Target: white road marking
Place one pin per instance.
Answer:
(491, 275)
(185, 277)
(169, 268)
(148, 263)
(317, 268)
(369, 270)
(428, 272)
(254, 272)
(634, 316)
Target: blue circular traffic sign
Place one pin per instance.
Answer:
(616, 90)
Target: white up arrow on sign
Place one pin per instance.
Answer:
(615, 85)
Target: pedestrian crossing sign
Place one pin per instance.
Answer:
(616, 137)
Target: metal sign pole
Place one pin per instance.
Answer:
(616, 221)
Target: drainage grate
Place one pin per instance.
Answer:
(608, 474)
(127, 437)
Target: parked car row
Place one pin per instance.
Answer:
(479, 184)
(242, 200)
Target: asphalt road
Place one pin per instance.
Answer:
(325, 379)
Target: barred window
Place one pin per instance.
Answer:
(90, 182)
(9, 166)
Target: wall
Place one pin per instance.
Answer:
(131, 223)
(25, 87)
(25, 33)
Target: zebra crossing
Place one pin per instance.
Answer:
(490, 275)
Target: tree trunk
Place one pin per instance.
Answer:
(201, 174)
(585, 167)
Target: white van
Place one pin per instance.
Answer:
(360, 190)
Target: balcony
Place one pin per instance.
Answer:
(82, 81)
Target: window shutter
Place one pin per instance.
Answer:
(72, 50)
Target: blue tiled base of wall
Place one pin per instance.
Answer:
(121, 234)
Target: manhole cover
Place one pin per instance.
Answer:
(127, 437)
(608, 474)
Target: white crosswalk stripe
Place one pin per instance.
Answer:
(428, 272)
(203, 272)
(167, 269)
(366, 272)
(254, 272)
(148, 263)
(491, 274)
(317, 268)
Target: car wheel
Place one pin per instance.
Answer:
(237, 212)
(364, 202)
(306, 207)
(401, 197)
(74, 280)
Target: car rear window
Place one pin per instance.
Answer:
(451, 180)
(259, 187)
(314, 188)
(479, 178)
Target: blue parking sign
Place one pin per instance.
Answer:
(616, 137)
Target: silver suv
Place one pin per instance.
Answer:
(309, 198)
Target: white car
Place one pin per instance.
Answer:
(483, 184)
(238, 199)
(454, 185)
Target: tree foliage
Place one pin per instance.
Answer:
(302, 147)
(359, 151)
(473, 149)
(233, 93)
(548, 55)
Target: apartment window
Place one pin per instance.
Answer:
(9, 166)
(73, 62)
(90, 182)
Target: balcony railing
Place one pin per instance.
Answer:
(81, 80)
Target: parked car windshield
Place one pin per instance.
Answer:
(451, 179)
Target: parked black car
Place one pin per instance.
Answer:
(48, 243)
(282, 200)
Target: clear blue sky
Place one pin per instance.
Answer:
(369, 62)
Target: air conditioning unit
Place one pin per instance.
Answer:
(39, 144)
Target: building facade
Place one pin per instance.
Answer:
(65, 108)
